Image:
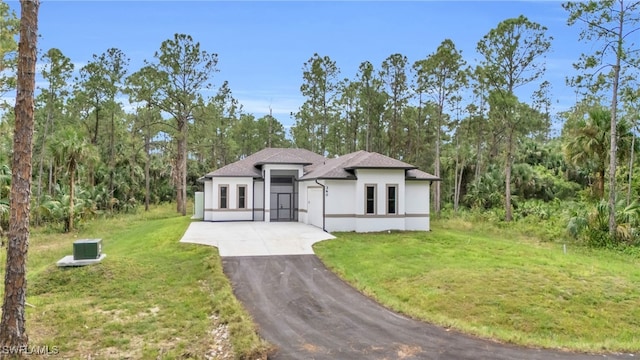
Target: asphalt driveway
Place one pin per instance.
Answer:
(309, 313)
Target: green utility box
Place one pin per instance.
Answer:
(87, 249)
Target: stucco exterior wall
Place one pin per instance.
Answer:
(417, 205)
(340, 196)
(345, 205)
(212, 209)
(303, 201)
(381, 220)
(208, 200)
(258, 201)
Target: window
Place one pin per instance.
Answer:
(224, 196)
(242, 196)
(370, 199)
(392, 199)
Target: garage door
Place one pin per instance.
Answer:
(314, 206)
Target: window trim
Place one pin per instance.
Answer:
(375, 199)
(395, 200)
(245, 187)
(226, 197)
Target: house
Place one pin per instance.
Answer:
(362, 191)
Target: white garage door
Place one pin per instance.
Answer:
(314, 206)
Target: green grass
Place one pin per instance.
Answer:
(497, 284)
(152, 297)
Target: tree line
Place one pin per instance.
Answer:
(109, 139)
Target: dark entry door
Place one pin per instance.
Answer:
(284, 207)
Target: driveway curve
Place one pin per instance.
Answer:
(309, 313)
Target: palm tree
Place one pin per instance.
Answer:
(71, 148)
(587, 144)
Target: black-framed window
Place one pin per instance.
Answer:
(370, 199)
(392, 199)
(224, 196)
(242, 196)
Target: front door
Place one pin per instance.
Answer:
(284, 207)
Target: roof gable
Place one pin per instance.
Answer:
(251, 165)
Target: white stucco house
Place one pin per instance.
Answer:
(362, 191)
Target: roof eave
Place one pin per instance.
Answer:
(422, 179)
(232, 176)
(330, 178)
(380, 168)
(281, 163)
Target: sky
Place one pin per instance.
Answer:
(262, 45)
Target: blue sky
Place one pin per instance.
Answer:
(262, 45)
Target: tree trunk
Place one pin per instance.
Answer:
(600, 183)
(633, 145)
(94, 139)
(614, 122)
(147, 163)
(437, 163)
(181, 167)
(12, 327)
(72, 183)
(507, 180)
(50, 188)
(456, 185)
(42, 149)
(112, 161)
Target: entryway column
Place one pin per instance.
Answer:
(267, 194)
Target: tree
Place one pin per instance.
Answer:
(173, 84)
(587, 143)
(352, 114)
(512, 54)
(71, 148)
(318, 112)
(372, 100)
(114, 68)
(12, 326)
(57, 71)
(9, 26)
(441, 75)
(145, 125)
(614, 25)
(212, 141)
(394, 75)
(268, 127)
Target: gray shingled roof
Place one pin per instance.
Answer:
(317, 166)
(415, 174)
(248, 167)
(340, 168)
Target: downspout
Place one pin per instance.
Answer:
(323, 206)
(264, 196)
(253, 200)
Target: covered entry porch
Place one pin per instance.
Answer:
(281, 200)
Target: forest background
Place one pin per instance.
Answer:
(112, 137)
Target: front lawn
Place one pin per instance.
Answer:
(494, 284)
(151, 298)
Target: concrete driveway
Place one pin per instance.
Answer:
(256, 238)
